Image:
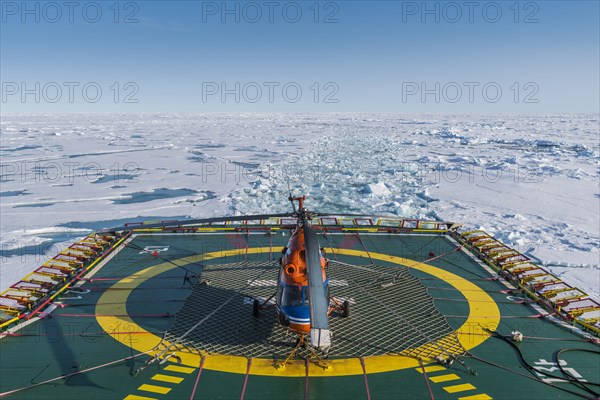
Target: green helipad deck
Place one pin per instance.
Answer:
(419, 298)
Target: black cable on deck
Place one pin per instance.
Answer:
(566, 377)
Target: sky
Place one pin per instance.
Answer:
(300, 56)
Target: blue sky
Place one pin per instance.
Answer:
(191, 56)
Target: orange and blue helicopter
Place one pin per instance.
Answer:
(303, 299)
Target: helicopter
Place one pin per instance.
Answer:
(303, 299)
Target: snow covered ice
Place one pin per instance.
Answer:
(529, 180)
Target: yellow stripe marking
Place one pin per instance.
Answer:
(176, 368)
(136, 397)
(482, 396)
(155, 389)
(167, 378)
(459, 388)
(444, 378)
(433, 368)
(483, 313)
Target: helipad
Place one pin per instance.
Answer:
(414, 295)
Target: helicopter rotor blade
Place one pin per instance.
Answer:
(333, 214)
(291, 198)
(185, 222)
(320, 335)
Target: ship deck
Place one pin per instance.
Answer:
(157, 286)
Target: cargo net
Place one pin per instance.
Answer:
(391, 312)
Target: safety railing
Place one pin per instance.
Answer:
(572, 304)
(52, 276)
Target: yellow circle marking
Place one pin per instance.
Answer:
(483, 312)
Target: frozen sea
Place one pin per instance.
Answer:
(530, 180)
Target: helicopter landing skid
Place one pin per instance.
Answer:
(313, 357)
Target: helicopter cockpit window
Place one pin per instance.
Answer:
(292, 296)
(306, 295)
(280, 287)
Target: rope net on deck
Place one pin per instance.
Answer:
(391, 313)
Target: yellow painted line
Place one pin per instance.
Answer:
(167, 378)
(444, 378)
(176, 368)
(433, 368)
(370, 230)
(136, 397)
(482, 396)
(459, 388)
(155, 389)
(483, 313)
